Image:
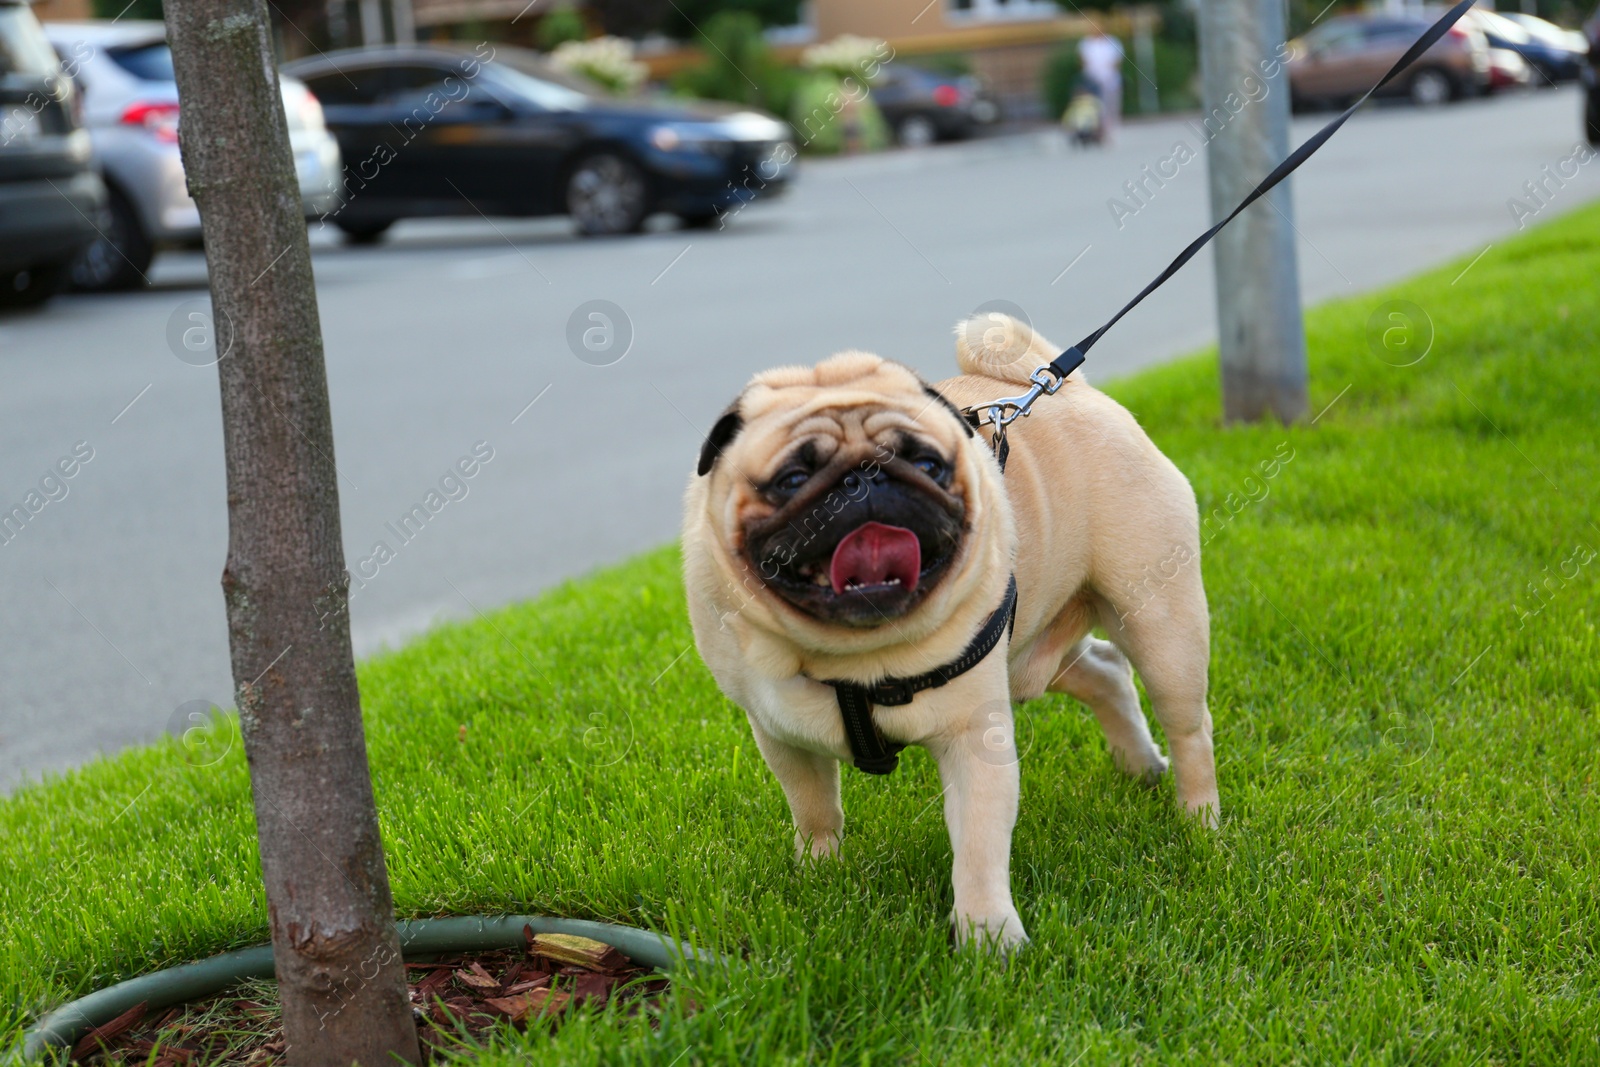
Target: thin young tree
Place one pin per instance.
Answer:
(337, 954)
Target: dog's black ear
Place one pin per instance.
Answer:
(726, 429)
(941, 398)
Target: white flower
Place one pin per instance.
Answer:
(848, 55)
(606, 60)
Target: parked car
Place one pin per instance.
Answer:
(440, 130)
(1571, 40)
(1344, 56)
(1508, 70)
(1591, 80)
(49, 192)
(1551, 57)
(130, 107)
(922, 107)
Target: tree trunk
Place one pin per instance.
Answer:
(337, 953)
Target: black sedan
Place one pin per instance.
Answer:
(922, 106)
(439, 130)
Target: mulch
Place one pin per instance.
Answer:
(458, 999)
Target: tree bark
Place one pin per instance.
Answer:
(334, 942)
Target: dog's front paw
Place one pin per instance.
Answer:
(1205, 810)
(815, 845)
(1000, 932)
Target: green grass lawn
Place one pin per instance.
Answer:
(1406, 738)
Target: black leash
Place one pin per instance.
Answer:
(1047, 379)
(871, 752)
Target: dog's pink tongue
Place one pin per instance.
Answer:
(875, 553)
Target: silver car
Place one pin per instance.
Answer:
(130, 108)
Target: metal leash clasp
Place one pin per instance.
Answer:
(1008, 409)
(1004, 411)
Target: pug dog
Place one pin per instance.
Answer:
(846, 524)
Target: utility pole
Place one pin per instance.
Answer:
(405, 22)
(372, 34)
(1144, 53)
(1246, 90)
(335, 949)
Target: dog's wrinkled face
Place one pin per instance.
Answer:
(843, 487)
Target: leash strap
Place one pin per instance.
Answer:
(871, 752)
(1072, 358)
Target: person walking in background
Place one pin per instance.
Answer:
(1101, 56)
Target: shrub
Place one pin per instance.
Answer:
(825, 109)
(738, 67)
(562, 25)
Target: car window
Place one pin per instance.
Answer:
(413, 85)
(1392, 34)
(542, 94)
(351, 88)
(1335, 37)
(147, 62)
(23, 47)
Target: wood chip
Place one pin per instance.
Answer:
(436, 980)
(105, 1032)
(594, 986)
(581, 951)
(532, 983)
(477, 981)
(535, 1003)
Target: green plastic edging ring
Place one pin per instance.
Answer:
(418, 937)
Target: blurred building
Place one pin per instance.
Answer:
(63, 10)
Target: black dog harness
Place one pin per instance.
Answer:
(872, 753)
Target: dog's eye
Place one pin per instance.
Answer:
(791, 479)
(932, 466)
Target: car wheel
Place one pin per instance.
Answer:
(32, 287)
(1591, 116)
(916, 131)
(364, 231)
(699, 220)
(1430, 88)
(607, 194)
(119, 257)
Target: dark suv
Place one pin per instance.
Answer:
(49, 193)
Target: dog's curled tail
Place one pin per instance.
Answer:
(997, 345)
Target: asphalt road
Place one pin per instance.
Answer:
(442, 338)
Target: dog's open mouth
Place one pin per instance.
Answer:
(868, 563)
(875, 573)
(876, 556)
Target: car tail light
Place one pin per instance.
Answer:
(946, 95)
(160, 119)
(312, 110)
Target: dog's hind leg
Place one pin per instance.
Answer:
(1096, 673)
(1168, 638)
